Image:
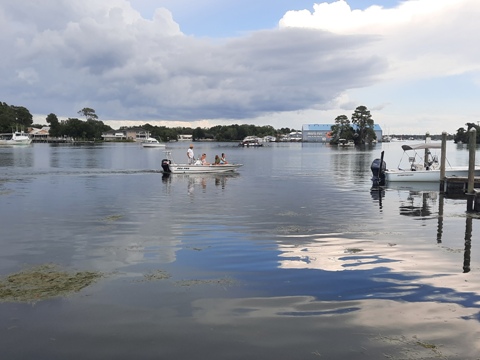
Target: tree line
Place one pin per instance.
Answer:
(359, 128)
(19, 117)
(233, 132)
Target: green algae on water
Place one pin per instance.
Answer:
(43, 282)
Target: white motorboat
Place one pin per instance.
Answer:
(424, 169)
(251, 141)
(345, 143)
(150, 142)
(15, 138)
(169, 166)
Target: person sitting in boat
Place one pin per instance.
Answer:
(223, 159)
(217, 160)
(203, 159)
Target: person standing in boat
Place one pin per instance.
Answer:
(190, 155)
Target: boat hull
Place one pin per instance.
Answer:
(153, 145)
(202, 169)
(16, 142)
(426, 175)
(251, 144)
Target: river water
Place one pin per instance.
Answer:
(292, 257)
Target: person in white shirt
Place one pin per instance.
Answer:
(190, 155)
(223, 159)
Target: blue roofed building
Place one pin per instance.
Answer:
(322, 132)
(316, 132)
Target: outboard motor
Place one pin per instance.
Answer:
(166, 166)
(378, 168)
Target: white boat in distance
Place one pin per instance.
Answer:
(424, 170)
(152, 143)
(345, 143)
(169, 166)
(251, 141)
(15, 138)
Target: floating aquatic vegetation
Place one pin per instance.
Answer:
(353, 250)
(412, 348)
(113, 217)
(157, 275)
(43, 282)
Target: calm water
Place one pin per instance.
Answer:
(293, 257)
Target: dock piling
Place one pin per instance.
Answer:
(472, 145)
(443, 160)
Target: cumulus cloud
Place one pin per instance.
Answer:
(64, 55)
(106, 56)
(419, 38)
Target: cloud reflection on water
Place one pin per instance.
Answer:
(382, 271)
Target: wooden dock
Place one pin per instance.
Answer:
(456, 185)
(462, 187)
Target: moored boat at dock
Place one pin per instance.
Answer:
(15, 138)
(421, 169)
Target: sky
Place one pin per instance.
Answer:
(413, 63)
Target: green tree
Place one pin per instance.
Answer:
(7, 117)
(89, 113)
(14, 117)
(94, 129)
(342, 129)
(23, 118)
(462, 135)
(55, 127)
(242, 131)
(364, 123)
(74, 128)
(198, 133)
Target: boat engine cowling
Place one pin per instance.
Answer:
(378, 168)
(166, 165)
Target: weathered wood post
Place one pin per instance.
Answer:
(440, 218)
(443, 159)
(472, 147)
(468, 245)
